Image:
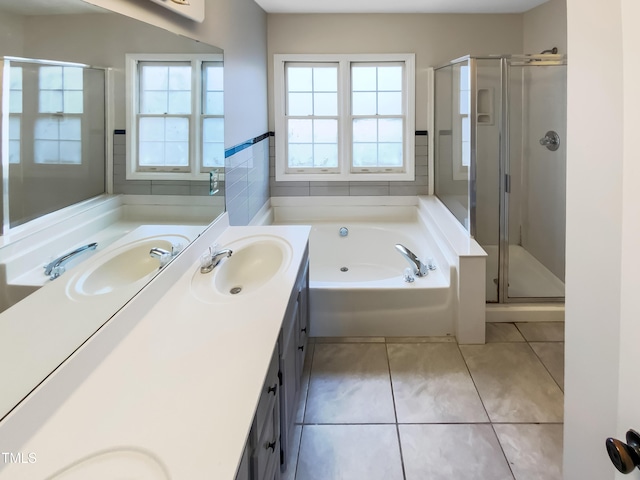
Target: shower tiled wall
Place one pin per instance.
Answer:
(419, 186)
(247, 179)
(148, 187)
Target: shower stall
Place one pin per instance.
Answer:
(500, 166)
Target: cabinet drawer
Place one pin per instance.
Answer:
(269, 393)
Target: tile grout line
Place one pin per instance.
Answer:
(395, 412)
(485, 410)
(545, 366)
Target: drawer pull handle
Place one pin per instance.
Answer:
(272, 389)
(303, 330)
(301, 348)
(271, 445)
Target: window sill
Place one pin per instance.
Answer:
(345, 177)
(185, 176)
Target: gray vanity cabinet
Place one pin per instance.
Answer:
(293, 347)
(267, 449)
(261, 458)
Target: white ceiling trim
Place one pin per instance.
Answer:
(398, 6)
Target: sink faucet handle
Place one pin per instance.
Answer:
(176, 248)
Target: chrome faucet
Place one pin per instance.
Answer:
(161, 254)
(56, 268)
(164, 256)
(210, 260)
(419, 268)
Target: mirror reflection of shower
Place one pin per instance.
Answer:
(500, 166)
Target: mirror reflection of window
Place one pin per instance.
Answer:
(15, 113)
(165, 111)
(176, 118)
(212, 116)
(58, 128)
(465, 125)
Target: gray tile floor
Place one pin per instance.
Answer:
(428, 408)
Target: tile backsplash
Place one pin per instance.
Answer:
(148, 187)
(420, 186)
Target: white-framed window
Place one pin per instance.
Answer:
(175, 116)
(15, 114)
(344, 117)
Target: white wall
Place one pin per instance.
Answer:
(596, 200)
(11, 35)
(545, 27)
(435, 39)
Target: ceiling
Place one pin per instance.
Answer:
(47, 7)
(398, 6)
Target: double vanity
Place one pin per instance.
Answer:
(196, 377)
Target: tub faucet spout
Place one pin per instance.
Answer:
(419, 268)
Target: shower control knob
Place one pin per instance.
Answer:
(625, 456)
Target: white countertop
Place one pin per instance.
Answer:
(175, 398)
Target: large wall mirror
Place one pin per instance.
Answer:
(71, 199)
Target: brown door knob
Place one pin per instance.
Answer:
(625, 456)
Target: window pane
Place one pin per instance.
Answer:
(154, 103)
(464, 102)
(325, 155)
(300, 131)
(213, 154)
(213, 130)
(15, 101)
(50, 78)
(325, 131)
(466, 154)
(365, 130)
(70, 129)
(299, 79)
(215, 77)
(14, 128)
(50, 101)
(151, 129)
(15, 79)
(466, 129)
(365, 154)
(300, 104)
(14, 151)
(71, 152)
(300, 155)
(390, 130)
(177, 154)
(364, 104)
(464, 77)
(390, 78)
(46, 129)
(325, 104)
(179, 103)
(180, 77)
(45, 151)
(390, 103)
(214, 103)
(363, 79)
(155, 77)
(151, 153)
(325, 79)
(390, 154)
(73, 102)
(72, 78)
(176, 130)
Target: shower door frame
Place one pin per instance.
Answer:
(529, 60)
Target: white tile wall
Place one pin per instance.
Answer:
(247, 182)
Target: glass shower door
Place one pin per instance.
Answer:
(533, 243)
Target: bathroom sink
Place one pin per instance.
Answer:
(254, 263)
(125, 266)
